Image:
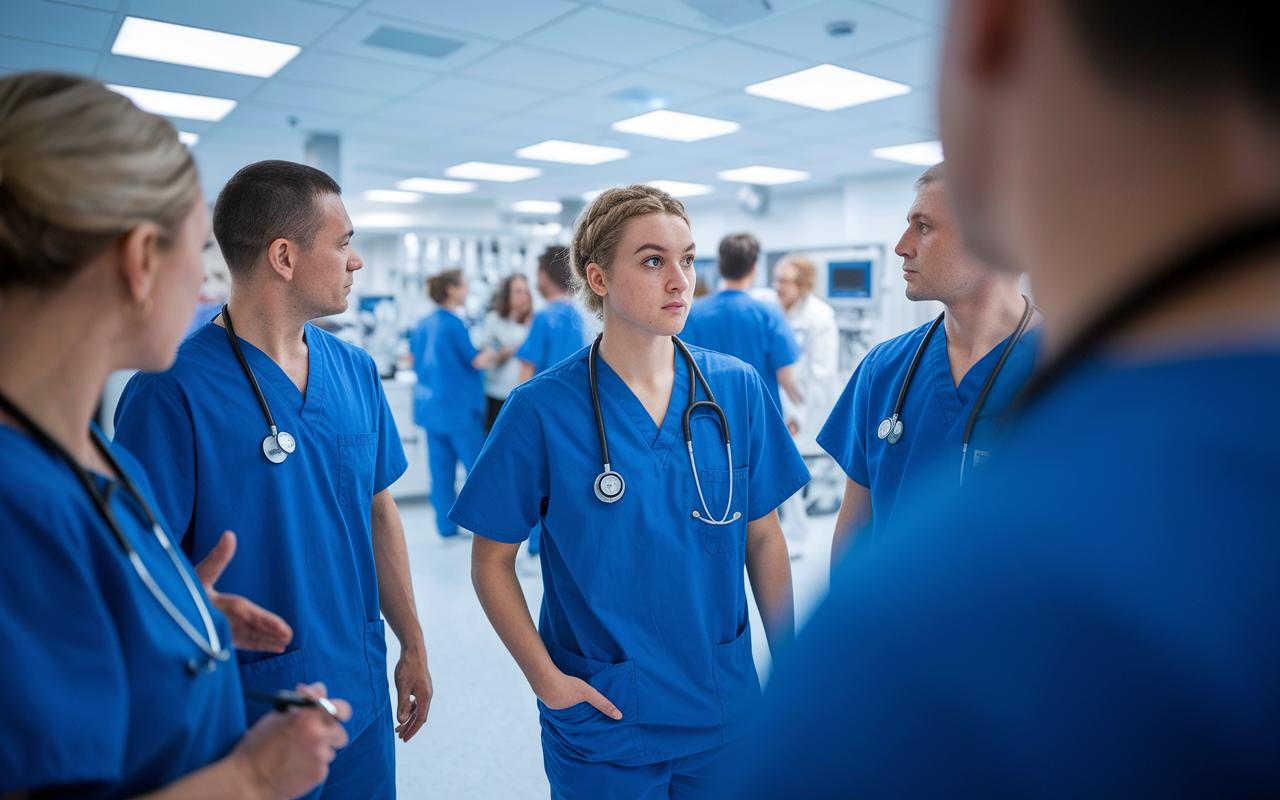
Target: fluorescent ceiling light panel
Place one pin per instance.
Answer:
(384, 219)
(676, 126)
(392, 196)
(435, 186)
(537, 207)
(189, 139)
(763, 176)
(571, 152)
(827, 87)
(682, 189)
(177, 104)
(197, 47)
(924, 154)
(484, 171)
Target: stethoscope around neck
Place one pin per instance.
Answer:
(278, 444)
(891, 427)
(610, 486)
(210, 643)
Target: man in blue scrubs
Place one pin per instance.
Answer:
(320, 540)
(558, 330)
(733, 322)
(1098, 613)
(983, 308)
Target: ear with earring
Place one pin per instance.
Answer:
(134, 312)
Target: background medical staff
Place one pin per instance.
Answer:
(813, 324)
(558, 330)
(983, 310)
(321, 541)
(102, 225)
(505, 328)
(731, 321)
(644, 667)
(449, 398)
(1099, 616)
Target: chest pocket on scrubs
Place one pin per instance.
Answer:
(357, 453)
(715, 488)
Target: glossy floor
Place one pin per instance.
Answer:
(481, 737)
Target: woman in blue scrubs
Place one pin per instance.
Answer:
(449, 399)
(642, 662)
(118, 674)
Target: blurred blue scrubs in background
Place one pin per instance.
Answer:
(97, 691)
(733, 322)
(1094, 615)
(449, 403)
(558, 332)
(303, 526)
(641, 600)
(934, 415)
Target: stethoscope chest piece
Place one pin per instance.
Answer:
(890, 429)
(278, 446)
(610, 486)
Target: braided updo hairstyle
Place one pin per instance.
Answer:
(601, 227)
(79, 166)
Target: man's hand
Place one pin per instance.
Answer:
(413, 690)
(252, 626)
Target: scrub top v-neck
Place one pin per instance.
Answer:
(303, 526)
(934, 415)
(643, 601)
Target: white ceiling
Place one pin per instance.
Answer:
(529, 70)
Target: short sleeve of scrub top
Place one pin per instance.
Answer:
(166, 436)
(783, 348)
(844, 434)
(98, 695)
(535, 347)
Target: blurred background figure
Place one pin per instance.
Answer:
(449, 400)
(558, 330)
(504, 328)
(813, 324)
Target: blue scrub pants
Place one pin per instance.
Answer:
(701, 775)
(366, 768)
(444, 451)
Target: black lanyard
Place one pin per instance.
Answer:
(102, 501)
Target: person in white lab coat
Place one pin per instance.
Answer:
(813, 324)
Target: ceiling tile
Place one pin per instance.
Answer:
(500, 19)
(461, 90)
(102, 5)
(320, 98)
(613, 36)
(739, 106)
(290, 21)
(727, 63)
(413, 110)
(24, 54)
(280, 114)
(349, 37)
(803, 34)
(539, 70)
(317, 66)
(914, 62)
(127, 71)
(932, 11)
(55, 23)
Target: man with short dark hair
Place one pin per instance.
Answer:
(983, 313)
(733, 322)
(1098, 614)
(320, 537)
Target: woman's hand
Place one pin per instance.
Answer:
(561, 691)
(252, 626)
(287, 753)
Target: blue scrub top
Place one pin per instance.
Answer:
(1097, 615)
(558, 331)
(641, 600)
(96, 689)
(933, 415)
(736, 323)
(450, 392)
(304, 539)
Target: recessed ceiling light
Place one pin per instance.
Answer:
(197, 47)
(827, 87)
(676, 126)
(537, 207)
(682, 189)
(484, 171)
(435, 186)
(392, 196)
(587, 197)
(384, 219)
(763, 176)
(924, 154)
(187, 138)
(177, 104)
(571, 152)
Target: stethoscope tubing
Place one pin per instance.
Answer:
(244, 365)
